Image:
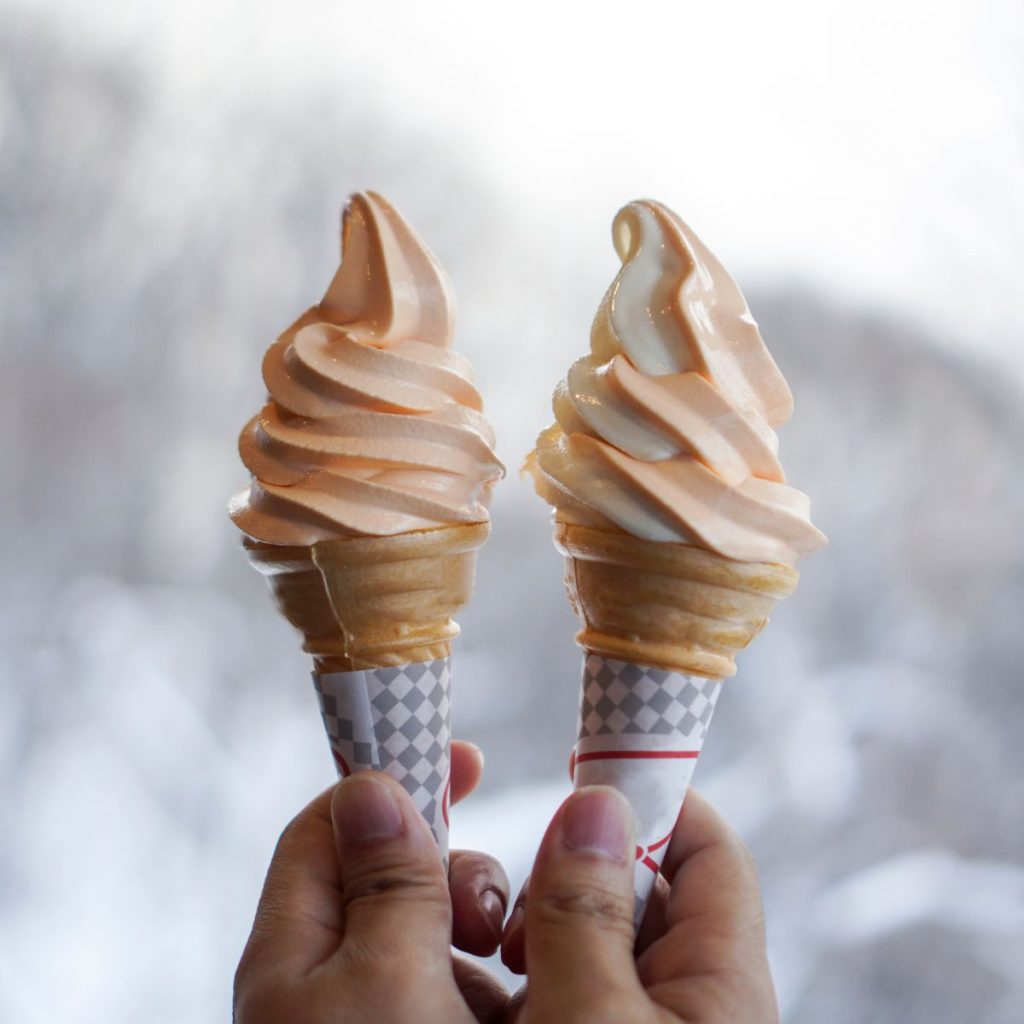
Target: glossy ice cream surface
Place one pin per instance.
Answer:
(373, 426)
(666, 429)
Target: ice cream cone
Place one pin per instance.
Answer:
(376, 615)
(370, 602)
(662, 623)
(372, 467)
(298, 589)
(670, 605)
(664, 442)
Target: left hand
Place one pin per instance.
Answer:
(356, 920)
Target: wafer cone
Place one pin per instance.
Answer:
(376, 615)
(669, 605)
(369, 602)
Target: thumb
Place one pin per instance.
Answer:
(579, 912)
(394, 890)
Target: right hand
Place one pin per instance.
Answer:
(700, 956)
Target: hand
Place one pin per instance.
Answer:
(700, 956)
(356, 919)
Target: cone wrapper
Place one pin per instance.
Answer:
(396, 720)
(641, 730)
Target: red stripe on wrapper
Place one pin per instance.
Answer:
(644, 857)
(622, 755)
(659, 844)
(342, 764)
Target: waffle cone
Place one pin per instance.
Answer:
(373, 602)
(669, 605)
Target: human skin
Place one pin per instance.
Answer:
(356, 920)
(700, 957)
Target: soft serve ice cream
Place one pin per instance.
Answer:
(373, 426)
(666, 430)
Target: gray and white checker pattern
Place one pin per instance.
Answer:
(412, 722)
(396, 720)
(348, 719)
(620, 698)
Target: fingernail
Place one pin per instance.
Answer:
(598, 820)
(514, 922)
(493, 910)
(365, 810)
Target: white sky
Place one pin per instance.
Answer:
(876, 148)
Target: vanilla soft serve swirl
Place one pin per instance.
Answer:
(665, 430)
(373, 425)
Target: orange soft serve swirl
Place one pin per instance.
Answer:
(666, 429)
(372, 425)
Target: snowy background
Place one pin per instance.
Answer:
(170, 183)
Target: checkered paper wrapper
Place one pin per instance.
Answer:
(395, 720)
(641, 730)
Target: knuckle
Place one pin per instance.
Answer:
(471, 864)
(240, 993)
(290, 830)
(397, 883)
(292, 837)
(571, 905)
(248, 978)
(259, 991)
(306, 827)
(240, 981)
(257, 1003)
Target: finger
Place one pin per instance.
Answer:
(711, 871)
(653, 924)
(579, 915)
(479, 892)
(484, 994)
(467, 769)
(513, 938)
(694, 828)
(298, 920)
(572, 764)
(394, 889)
(516, 1005)
(713, 950)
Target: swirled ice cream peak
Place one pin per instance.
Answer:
(372, 425)
(389, 287)
(665, 429)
